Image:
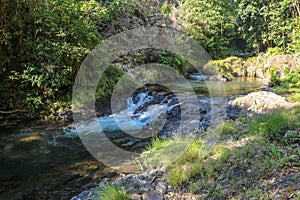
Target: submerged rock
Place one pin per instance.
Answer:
(223, 78)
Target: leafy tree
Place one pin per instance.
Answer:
(268, 23)
(212, 23)
(42, 45)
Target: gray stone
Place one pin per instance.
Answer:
(161, 187)
(152, 195)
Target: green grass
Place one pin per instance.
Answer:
(256, 194)
(183, 158)
(110, 192)
(277, 126)
(227, 128)
(259, 152)
(188, 164)
(220, 152)
(271, 125)
(164, 152)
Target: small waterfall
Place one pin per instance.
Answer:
(143, 108)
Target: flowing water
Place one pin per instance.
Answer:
(48, 161)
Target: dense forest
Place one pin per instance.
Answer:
(43, 43)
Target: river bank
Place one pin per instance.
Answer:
(233, 169)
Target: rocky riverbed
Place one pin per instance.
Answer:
(152, 184)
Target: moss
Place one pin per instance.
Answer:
(231, 66)
(274, 51)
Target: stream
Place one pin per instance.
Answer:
(49, 161)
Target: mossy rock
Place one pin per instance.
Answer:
(231, 66)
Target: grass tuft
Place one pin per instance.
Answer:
(162, 152)
(110, 192)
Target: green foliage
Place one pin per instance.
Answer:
(292, 80)
(211, 23)
(177, 176)
(107, 82)
(174, 61)
(294, 45)
(166, 9)
(295, 97)
(110, 192)
(271, 125)
(187, 162)
(230, 66)
(197, 164)
(161, 152)
(45, 43)
(261, 162)
(275, 79)
(280, 125)
(218, 155)
(213, 192)
(119, 7)
(268, 23)
(181, 173)
(274, 51)
(256, 194)
(290, 83)
(221, 152)
(227, 128)
(226, 28)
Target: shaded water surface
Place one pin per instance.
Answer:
(43, 162)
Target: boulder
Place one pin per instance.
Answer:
(260, 102)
